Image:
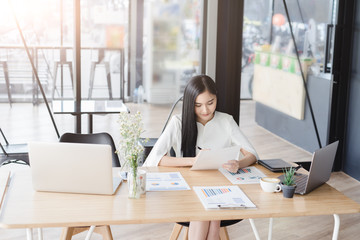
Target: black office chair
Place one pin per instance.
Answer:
(96, 138)
(13, 152)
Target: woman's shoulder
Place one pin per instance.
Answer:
(223, 116)
(176, 120)
(224, 119)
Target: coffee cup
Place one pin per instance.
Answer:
(269, 184)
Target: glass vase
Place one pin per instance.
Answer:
(133, 180)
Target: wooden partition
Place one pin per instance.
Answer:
(281, 90)
(278, 83)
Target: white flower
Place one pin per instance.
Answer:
(129, 147)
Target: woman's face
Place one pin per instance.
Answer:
(205, 105)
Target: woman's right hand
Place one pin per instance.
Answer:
(231, 166)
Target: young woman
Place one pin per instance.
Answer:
(200, 127)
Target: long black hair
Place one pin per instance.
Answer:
(197, 85)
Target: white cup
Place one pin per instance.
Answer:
(142, 177)
(269, 184)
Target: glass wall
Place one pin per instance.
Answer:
(171, 47)
(256, 32)
(169, 32)
(42, 36)
(288, 95)
(104, 38)
(266, 32)
(136, 50)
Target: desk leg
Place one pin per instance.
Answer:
(90, 122)
(270, 228)
(29, 234)
(40, 233)
(254, 229)
(336, 227)
(90, 232)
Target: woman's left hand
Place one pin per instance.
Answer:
(231, 166)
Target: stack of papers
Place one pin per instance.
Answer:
(243, 175)
(222, 197)
(165, 181)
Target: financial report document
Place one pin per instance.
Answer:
(222, 197)
(165, 181)
(245, 175)
(215, 158)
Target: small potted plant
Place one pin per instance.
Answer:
(288, 184)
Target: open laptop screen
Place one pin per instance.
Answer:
(71, 167)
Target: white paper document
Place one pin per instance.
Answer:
(243, 175)
(223, 197)
(165, 181)
(215, 158)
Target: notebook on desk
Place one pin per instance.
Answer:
(72, 168)
(275, 165)
(320, 170)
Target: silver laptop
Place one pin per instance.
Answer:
(72, 168)
(320, 169)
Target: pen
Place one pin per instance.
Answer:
(230, 206)
(199, 148)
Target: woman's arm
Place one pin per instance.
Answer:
(167, 139)
(235, 165)
(177, 161)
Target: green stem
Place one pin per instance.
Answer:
(134, 182)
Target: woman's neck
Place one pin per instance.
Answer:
(205, 122)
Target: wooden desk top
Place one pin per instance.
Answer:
(25, 208)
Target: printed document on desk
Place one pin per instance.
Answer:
(223, 197)
(243, 175)
(165, 181)
(215, 158)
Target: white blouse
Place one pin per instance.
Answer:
(220, 132)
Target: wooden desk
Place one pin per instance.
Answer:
(89, 107)
(43, 209)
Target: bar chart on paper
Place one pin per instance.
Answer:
(209, 192)
(223, 197)
(243, 175)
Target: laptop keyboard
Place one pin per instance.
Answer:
(300, 180)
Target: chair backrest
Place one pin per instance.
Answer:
(95, 138)
(148, 145)
(171, 112)
(3, 135)
(1, 146)
(3, 149)
(12, 152)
